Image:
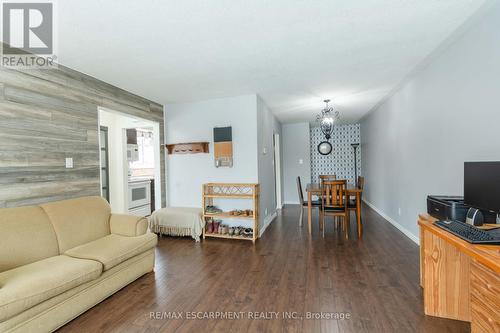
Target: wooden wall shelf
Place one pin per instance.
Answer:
(187, 148)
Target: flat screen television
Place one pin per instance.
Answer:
(482, 185)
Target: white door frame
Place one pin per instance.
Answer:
(156, 138)
(277, 170)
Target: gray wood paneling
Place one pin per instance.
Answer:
(47, 115)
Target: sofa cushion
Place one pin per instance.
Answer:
(58, 310)
(78, 221)
(26, 236)
(24, 287)
(114, 249)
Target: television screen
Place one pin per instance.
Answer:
(482, 185)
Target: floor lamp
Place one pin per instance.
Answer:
(355, 146)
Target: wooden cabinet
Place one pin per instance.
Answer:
(131, 136)
(485, 302)
(446, 282)
(461, 280)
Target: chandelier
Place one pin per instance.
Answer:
(327, 119)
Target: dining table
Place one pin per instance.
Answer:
(352, 191)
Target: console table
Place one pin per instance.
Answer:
(461, 280)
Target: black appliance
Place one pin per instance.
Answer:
(482, 186)
(131, 136)
(447, 207)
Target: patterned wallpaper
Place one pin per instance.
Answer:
(341, 160)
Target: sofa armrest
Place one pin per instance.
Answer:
(128, 225)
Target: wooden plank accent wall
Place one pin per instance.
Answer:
(47, 115)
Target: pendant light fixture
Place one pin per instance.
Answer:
(327, 119)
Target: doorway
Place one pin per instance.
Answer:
(277, 170)
(131, 162)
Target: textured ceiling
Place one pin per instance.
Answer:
(292, 53)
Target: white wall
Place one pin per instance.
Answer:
(253, 127)
(416, 142)
(267, 125)
(295, 142)
(193, 122)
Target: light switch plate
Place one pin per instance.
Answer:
(301, 161)
(69, 162)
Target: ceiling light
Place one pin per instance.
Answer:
(327, 118)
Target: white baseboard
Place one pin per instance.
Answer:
(267, 222)
(405, 231)
(292, 203)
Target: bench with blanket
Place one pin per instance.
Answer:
(178, 221)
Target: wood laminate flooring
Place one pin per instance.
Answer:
(374, 281)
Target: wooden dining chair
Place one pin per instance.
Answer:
(303, 203)
(352, 202)
(322, 178)
(334, 202)
(361, 182)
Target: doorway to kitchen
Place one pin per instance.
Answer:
(129, 162)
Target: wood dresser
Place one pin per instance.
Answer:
(460, 280)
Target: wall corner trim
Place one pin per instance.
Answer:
(405, 231)
(267, 222)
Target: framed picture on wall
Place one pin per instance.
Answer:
(223, 147)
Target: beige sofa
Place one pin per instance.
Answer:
(59, 259)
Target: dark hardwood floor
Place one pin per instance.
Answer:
(374, 280)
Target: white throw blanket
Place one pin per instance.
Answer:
(178, 221)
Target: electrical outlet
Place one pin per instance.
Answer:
(301, 161)
(399, 211)
(265, 211)
(69, 162)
